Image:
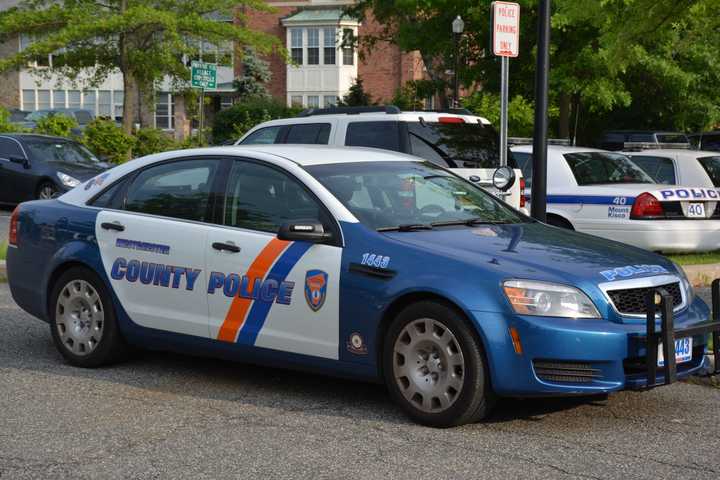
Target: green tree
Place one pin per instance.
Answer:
(356, 96)
(254, 78)
(56, 124)
(145, 40)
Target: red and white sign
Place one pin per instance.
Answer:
(506, 29)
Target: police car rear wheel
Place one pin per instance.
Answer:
(434, 366)
(83, 322)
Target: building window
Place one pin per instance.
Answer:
(74, 99)
(348, 46)
(118, 97)
(59, 98)
(43, 99)
(226, 101)
(104, 103)
(221, 54)
(313, 35)
(330, 100)
(313, 101)
(164, 111)
(90, 101)
(28, 100)
(296, 101)
(329, 46)
(296, 45)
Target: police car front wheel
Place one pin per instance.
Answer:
(435, 368)
(83, 323)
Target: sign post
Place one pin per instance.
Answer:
(538, 207)
(203, 76)
(506, 40)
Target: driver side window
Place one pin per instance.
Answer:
(262, 198)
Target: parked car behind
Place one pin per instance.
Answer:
(616, 139)
(708, 141)
(41, 167)
(81, 116)
(679, 167)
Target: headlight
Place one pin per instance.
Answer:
(689, 291)
(548, 300)
(67, 180)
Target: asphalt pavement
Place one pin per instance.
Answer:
(170, 416)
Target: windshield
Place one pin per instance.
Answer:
(466, 145)
(410, 195)
(66, 152)
(594, 168)
(712, 167)
(672, 138)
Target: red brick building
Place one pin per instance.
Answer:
(316, 34)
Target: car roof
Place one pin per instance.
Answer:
(409, 116)
(561, 149)
(679, 152)
(36, 136)
(308, 155)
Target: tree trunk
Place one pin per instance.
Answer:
(130, 101)
(182, 121)
(147, 105)
(564, 119)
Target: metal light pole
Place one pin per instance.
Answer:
(457, 28)
(539, 177)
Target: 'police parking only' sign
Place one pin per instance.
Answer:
(506, 29)
(203, 75)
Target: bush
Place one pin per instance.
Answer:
(152, 140)
(56, 124)
(239, 118)
(6, 126)
(107, 140)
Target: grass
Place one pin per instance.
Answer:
(696, 258)
(3, 250)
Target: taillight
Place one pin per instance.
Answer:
(451, 120)
(522, 193)
(646, 206)
(14, 226)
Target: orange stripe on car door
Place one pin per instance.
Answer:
(235, 317)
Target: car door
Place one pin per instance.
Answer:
(15, 178)
(266, 292)
(153, 248)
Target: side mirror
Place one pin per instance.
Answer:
(504, 178)
(311, 231)
(21, 160)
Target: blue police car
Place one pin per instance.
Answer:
(353, 262)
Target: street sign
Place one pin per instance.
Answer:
(506, 29)
(203, 75)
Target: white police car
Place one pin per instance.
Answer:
(455, 139)
(679, 166)
(606, 194)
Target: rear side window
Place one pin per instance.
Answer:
(524, 162)
(712, 167)
(662, 169)
(598, 168)
(384, 135)
(111, 197)
(264, 136)
(309, 133)
(179, 190)
(10, 148)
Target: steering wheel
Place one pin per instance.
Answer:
(432, 209)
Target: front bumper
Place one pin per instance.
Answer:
(660, 235)
(562, 356)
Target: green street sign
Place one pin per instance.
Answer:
(203, 75)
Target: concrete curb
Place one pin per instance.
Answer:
(702, 275)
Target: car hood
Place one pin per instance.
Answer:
(538, 251)
(80, 171)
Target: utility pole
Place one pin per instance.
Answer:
(539, 177)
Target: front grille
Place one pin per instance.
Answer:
(560, 371)
(631, 301)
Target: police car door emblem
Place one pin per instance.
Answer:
(315, 289)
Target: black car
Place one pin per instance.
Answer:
(616, 139)
(41, 167)
(709, 141)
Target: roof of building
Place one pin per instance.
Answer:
(327, 15)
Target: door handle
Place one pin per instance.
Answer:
(113, 226)
(228, 247)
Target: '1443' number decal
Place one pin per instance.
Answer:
(373, 260)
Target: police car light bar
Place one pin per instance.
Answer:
(640, 146)
(528, 141)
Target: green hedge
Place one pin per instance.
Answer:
(233, 122)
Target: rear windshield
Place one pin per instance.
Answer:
(596, 168)
(62, 151)
(671, 138)
(712, 167)
(461, 145)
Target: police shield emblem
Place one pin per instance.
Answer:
(315, 288)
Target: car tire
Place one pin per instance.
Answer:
(559, 222)
(448, 383)
(46, 191)
(83, 324)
